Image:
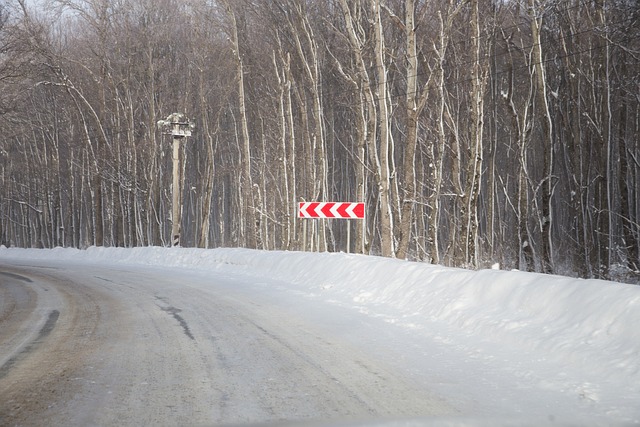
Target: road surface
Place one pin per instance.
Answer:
(90, 345)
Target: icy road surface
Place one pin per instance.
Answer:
(179, 336)
(89, 345)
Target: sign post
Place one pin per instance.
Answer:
(344, 210)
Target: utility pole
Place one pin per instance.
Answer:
(179, 127)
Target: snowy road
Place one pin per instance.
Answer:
(90, 345)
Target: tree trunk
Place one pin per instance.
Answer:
(415, 105)
(246, 180)
(206, 180)
(474, 158)
(384, 179)
(547, 126)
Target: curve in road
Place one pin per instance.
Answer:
(84, 345)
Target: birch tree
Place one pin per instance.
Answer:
(545, 218)
(248, 200)
(367, 112)
(471, 196)
(383, 160)
(416, 99)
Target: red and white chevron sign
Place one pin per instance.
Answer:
(331, 210)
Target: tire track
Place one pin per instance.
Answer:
(32, 346)
(63, 320)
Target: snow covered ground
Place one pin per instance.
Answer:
(500, 343)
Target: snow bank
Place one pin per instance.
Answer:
(584, 322)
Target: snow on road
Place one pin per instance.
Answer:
(498, 344)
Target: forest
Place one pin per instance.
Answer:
(475, 131)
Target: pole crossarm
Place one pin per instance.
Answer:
(177, 125)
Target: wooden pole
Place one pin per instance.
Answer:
(176, 208)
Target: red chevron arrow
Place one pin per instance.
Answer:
(358, 210)
(326, 210)
(311, 209)
(342, 210)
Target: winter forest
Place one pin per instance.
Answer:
(476, 131)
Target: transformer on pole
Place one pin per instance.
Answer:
(179, 127)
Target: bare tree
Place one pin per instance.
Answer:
(545, 218)
(248, 199)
